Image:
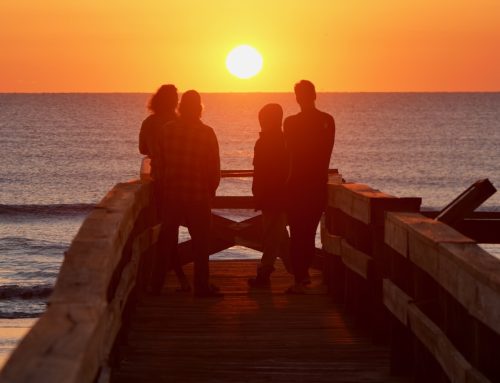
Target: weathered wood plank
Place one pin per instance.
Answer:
(430, 335)
(250, 335)
(365, 204)
(94, 253)
(356, 260)
(128, 279)
(348, 198)
(453, 363)
(332, 244)
(467, 272)
(472, 276)
(71, 340)
(396, 231)
(466, 202)
(396, 300)
(421, 236)
(62, 337)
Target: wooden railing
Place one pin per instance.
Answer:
(107, 264)
(72, 340)
(442, 291)
(352, 234)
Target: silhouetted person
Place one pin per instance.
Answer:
(309, 136)
(270, 164)
(162, 105)
(190, 168)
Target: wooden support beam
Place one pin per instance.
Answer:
(245, 233)
(236, 173)
(482, 226)
(234, 202)
(481, 230)
(249, 173)
(225, 234)
(466, 202)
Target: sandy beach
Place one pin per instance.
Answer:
(11, 332)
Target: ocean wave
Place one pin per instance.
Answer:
(25, 292)
(52, 210)
(19, 314)
(32, 246)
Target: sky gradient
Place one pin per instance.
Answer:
(340, 45)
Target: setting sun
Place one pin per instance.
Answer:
(244, 61)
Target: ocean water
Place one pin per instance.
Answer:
(60, 154)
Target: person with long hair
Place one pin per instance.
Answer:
(162, 106)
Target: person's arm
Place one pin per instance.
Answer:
(143, 144)
(331, 138)
(257, 170)
(327, 138)
(213, 166)
(286, 131)
(287, 138)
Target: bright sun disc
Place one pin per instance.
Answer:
(244, 61)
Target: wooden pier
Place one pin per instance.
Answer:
(397, 296)
(249, 336)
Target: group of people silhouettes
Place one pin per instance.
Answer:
(289, 184)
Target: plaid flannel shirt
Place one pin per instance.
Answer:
(189, 162)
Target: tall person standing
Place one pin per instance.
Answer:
(309, 136)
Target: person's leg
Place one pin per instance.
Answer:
(284, 243)
(198, 218)
(166, 248)
(275, 240)
(303, 223)
(311, 222)
(271, 237)
(175, 264)
(270, 240)
(298, 236)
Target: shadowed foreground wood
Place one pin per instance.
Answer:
(249, 336)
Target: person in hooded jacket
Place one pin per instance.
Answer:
(270, 164)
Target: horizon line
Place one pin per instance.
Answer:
(257, 92)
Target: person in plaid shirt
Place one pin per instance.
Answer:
(190, 174)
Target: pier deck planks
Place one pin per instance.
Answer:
(248, 336)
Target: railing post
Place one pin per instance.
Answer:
(355, 219)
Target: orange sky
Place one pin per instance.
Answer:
(341, 45)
